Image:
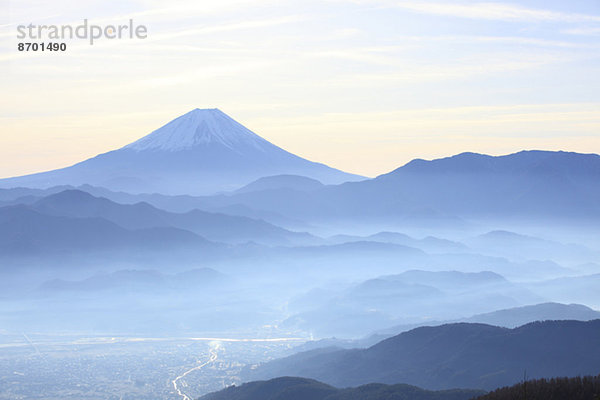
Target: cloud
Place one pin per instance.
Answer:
(412, 72)
(243, 25)
(346, 33)
(590, 31)
(488, 11)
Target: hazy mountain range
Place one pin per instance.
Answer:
(205, 151)
(24, 231)
(508, 318)
(394, 299)
(212, 226)
(522, 187)
(202, 228)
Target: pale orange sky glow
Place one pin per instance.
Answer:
(364, 86)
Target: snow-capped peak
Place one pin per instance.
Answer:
(199, 127)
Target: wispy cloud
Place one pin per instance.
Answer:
(589, 31)
(488, 11)
(410, 72)
(237, 26)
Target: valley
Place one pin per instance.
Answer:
(440, 275)
(127, 367)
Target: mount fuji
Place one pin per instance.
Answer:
(200, 152)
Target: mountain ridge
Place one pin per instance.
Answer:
(454, 355)
(291, 388)
(212, 226)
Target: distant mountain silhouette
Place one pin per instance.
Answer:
(200, 152)
(512, 317)
(376, 304)
(519, 184)
(293, 182)
(177, 204)
(447, 192)
(429, 243)
(528, 185)
(213, 226)
(582, 289)
(507, 318)
(518, 246)
(138, 280)
(24, 231)
(454, 355)
(288, 388)
(518, 316)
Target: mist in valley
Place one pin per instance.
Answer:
(201, 288)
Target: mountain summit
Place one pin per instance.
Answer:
(201, 127)
(201, 152)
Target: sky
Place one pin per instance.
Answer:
(361, 85)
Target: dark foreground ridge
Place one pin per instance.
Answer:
(579, 388)
(454, 355)
(288, 388)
